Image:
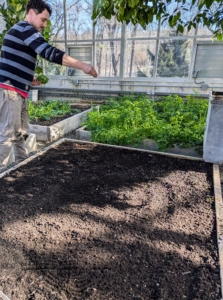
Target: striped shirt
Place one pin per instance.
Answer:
(19, 50)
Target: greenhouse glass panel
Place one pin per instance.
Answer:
(108, 29)
(174, 58)
(138, 32)
(108, 58)
(186, 15)
(57, 19)
(140, 58)
(52, 68)
(79, 23)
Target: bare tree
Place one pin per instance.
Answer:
(76, 24)
(133, 34)
(100, 47)
(113, 29)
(57, 18)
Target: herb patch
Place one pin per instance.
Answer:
(129, 120)
(45, 110)
(47, 113)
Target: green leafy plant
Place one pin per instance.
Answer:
(12, 12)
(40, 76)
(129, 120)
(205, 12)
(44, 110)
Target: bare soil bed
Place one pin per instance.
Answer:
(87, 222)
(76, 109)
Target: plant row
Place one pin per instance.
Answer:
(131, 119)
(44, 110)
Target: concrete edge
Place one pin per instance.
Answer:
(40, 131)
(219, 218)
(82, 134)
(3, 296)
(138, 149)
(24, 162)
(59, 129)
(63, 122)
(67, 125)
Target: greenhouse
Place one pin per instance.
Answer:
(132, 59)
(111, 185)
(155, 60)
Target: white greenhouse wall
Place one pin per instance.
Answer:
(158, 86)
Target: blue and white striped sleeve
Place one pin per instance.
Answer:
(34, 39)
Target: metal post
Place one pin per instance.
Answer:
(157, 50)
(194, 49)
(65, 23)
(65, 29)
(123, 50)
(94, 45)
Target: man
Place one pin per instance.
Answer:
(20, 47)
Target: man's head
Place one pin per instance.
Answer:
(38, 13)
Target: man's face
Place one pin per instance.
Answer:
(39, 21)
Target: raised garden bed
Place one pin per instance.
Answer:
(148, 144)
(76, 109)
(90, 221)
(129, 120)
(57, 127)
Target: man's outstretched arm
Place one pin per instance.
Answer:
(69, 61)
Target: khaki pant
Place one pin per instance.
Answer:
(14, 125)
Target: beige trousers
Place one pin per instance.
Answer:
(14, 126)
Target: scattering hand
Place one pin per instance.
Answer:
(36, 82)
(89, 69)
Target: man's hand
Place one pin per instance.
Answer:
(69, 61)
(36, 82)
(89, 69)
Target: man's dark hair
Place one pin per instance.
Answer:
(39, 6)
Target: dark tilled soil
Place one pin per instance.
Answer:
(95, 222)
(76, 109)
